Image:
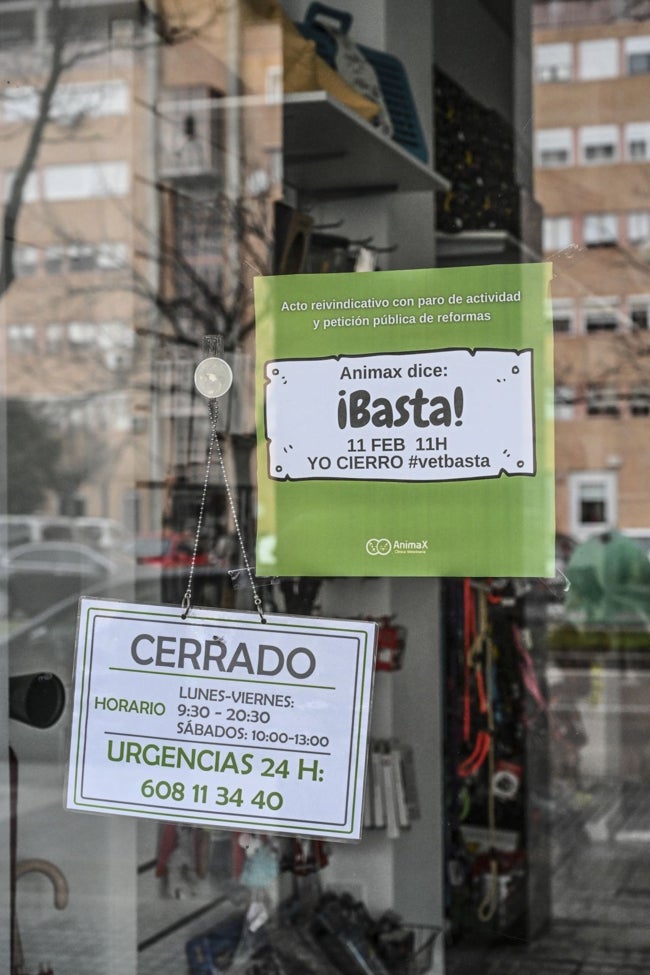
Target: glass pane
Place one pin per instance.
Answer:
(157, 159)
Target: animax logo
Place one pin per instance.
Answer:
(383, 546)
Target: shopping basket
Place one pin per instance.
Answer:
(390, 72)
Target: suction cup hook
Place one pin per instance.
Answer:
(213, 375)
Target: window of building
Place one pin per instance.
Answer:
(79, 181)
(275, 165)
(637, 54)
(92, 99)
(602, 400)
(111, 255)
(637, 141)
(21, 338)
(54, 338)
(564, 402)
(274, 83)
(81, 257)
(81, 335)
(639, 312)
(553, 62)
(554, 147)
(54, 259)
(557, 233)
(19, 103)
(599, 143)
(601, 315)
(30, 189)
(640, 400)
(598, 59)
(16, 28)
(25, 261)
(600, 229)
(638, 226)
(114, 334)
(563, 315)
(593, 502)
(71, 101)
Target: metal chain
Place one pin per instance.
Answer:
(186, 604)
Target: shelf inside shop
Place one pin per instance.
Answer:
(472, 243)
(329, 150)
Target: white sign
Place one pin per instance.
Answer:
(451, 414)
(221, 720)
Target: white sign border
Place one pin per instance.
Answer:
(364, 631)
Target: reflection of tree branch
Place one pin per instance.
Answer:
(14, 201)
(191, 296)
(59, 18)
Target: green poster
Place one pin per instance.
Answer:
(404, 423)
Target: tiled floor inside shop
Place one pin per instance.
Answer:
(601, 898)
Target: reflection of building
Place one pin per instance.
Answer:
(218, 165)
(70, 317)
(129, 236)
(592, 117)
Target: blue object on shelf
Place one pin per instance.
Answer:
(390, 72)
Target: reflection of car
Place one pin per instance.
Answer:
(39, 574)
(172, 555)
(167, 551)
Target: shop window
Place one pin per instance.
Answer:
(640, 400)
(599, 143)
(25, 261)
(602, 401)
(553, 62)
(598, 59)
(564, 402)
(563, 316)
(554, 147)
(557, 233)
(637, 54)
(593, 502)
(79, 181)
(21, 338)
(638, 226)
(600, 229)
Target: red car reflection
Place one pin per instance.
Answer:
(172, 554)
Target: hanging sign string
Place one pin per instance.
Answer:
(213, 378)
